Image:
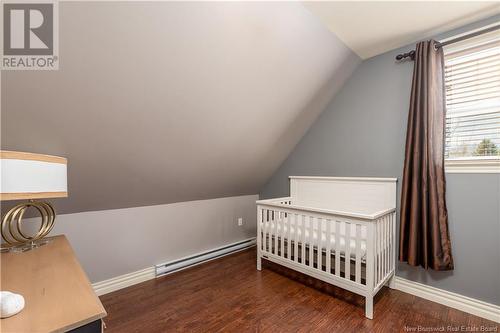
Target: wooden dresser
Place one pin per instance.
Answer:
(56, 290)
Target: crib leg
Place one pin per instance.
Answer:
(259, 262)
(369, 307)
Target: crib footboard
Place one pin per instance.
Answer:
(352, 253)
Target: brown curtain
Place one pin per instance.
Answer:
(424, 235)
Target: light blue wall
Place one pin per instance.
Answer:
(362, 133)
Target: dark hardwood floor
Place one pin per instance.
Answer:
(230, 295)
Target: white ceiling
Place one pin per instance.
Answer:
(374, 27)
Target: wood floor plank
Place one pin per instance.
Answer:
(230, 295)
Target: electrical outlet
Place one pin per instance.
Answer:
(240, 221)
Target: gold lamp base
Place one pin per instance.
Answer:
(11, 231)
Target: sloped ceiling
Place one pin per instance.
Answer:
(159, 102)
(374, 27)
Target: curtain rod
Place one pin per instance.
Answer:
(411, 54)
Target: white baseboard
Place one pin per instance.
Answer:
(123, 281)
(453, 300)
(129, 279)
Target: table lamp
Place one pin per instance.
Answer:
(29, 176)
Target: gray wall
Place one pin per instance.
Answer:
(160, 102)
(362, 133)
(114, 242)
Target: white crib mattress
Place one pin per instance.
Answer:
(314, 241)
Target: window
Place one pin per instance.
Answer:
(472, 83)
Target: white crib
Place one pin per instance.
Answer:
(339, 230)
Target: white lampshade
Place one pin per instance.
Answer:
(32, 176)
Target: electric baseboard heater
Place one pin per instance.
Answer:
(196, 259)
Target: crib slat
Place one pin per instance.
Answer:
(262, 228)
(386, 245)
(270, 231)
(370, 256)
(275, 228)
(266, 224)
(384, 239)
(279, 237)
(304, 240)
(381, 250)
(337, 248)
(271, 228)
(319, 258)
(328, 239)
(379, 247)
(388, 248)
(389, 234)
(288, 233)
(377, 251)
(276, 232)
(358, 254)
(282, 235)
(296, 239)
(379, 241)
(387, 239)
(311, 241)
(347, 268)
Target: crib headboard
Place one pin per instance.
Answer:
(344, 193)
